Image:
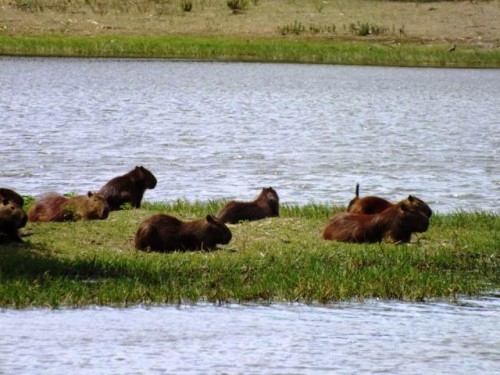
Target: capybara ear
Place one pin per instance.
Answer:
(5, 202)
(411, 198)
(89, 194)
(210, 219)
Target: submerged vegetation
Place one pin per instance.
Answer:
(278, 259)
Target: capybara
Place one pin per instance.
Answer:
(372, 205)
(12, 217)
(166, 233)
(267, 204)
(11, 195)
(56, 207)
(128, 188)
(395, 224)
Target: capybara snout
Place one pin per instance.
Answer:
(166, 233)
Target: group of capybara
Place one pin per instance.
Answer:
(367, 219)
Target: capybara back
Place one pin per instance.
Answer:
(56, 207)
(395, 224)
(166, 233)
(265, 205)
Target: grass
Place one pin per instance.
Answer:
(355, 32)
(279, 259)
(222, 49)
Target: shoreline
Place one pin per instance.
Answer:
(252, 50)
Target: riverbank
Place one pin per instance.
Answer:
(452, 34)
(273, 260)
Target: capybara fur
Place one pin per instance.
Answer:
(128, 188)
(56, 207)
(395, 224)
(11, 195)
(12, 217)
(166, 233)
(372, 205)
(267, 204)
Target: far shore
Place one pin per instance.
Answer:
(357, 32)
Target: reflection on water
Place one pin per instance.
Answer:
(225, 130)
(369, 337)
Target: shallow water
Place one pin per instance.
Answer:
(224, 130)
(348, 338)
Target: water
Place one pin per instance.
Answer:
(348, 338)
(225, 130)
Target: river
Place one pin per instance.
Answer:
(212, 130)
(348, 338)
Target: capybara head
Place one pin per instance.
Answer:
(11, 195)
(11, 216)
(146, 176)
(417, 204)
(92, 206)
(97, 206)
(216, 232)
(413, 220)
(270, 195)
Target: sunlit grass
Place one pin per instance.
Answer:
(277, 259)
(270, 50)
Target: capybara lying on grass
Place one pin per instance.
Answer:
(12, 217)
(11, 195)
(56, 207)
(166, 233)
(395, 224)
(128, 188)
(267, 204)
(372, 205)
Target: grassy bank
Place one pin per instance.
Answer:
(279, 259)
(224, 49)
(360, 32)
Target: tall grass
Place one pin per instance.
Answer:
(275, 50)
(278, 259)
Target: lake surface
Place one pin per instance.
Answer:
(225, 130)
(348, 338)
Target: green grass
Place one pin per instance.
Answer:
(269, 50)
(280, 259)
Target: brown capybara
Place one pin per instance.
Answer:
(372, 205)
(12, 217)
(128, 188)
(56, 207)
(11, 195)
(267, 204)
(395, 224)
(166, 233)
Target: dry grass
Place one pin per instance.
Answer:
(460, 22)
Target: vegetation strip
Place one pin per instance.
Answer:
(278, 259)
(257, 50)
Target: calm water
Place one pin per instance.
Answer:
(224, 130)
(352, 338)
